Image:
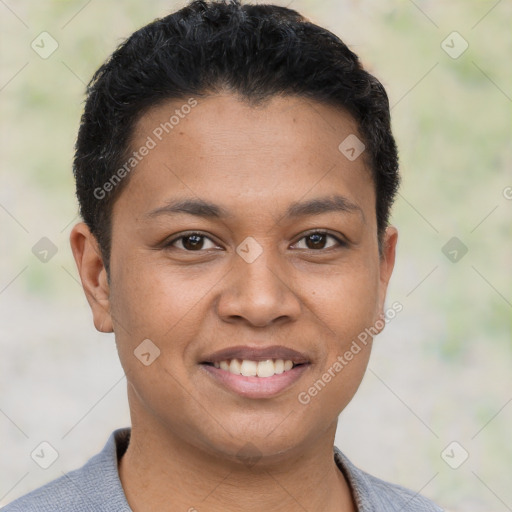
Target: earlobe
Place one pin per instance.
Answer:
(93, 275)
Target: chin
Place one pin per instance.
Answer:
(257, 446)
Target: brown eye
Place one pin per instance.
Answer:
(316, 241)
(319, 240)
(192, 242)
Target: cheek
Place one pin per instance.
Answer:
(346, 301)
(151, 299)
(331, 389)
(154, 313)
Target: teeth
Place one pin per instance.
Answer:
(234, 366)
(249, 368)
(266, 368)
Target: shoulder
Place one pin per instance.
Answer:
(374, 494)
(55, 496)
(94, 487)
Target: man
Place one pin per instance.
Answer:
(235, 170)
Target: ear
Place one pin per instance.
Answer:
(93, 275)
(386, 265)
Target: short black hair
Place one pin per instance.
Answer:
(253, 51)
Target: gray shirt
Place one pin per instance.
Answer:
(96, 487)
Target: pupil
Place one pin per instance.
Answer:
(193, 241)
(317, 239)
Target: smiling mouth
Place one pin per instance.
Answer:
(249, 368)
(256, 372)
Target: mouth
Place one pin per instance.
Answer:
(256, 372)
(249, 368)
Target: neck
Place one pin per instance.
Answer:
(160, 472)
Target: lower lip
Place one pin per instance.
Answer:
(256, 387)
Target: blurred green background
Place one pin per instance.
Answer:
(441, 371)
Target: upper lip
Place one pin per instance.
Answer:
(256, 354)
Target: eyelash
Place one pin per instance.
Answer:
(341, 243)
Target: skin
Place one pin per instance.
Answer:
(187, 430)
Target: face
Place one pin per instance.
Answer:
(244, 247)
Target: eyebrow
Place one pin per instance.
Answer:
(197, 207)
(206, 209)
(322, 205)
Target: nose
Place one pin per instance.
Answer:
(258, 294)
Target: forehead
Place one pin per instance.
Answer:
(226, 125)
(223, 149)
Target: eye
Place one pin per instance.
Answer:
(192, 242)
(319, 240)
